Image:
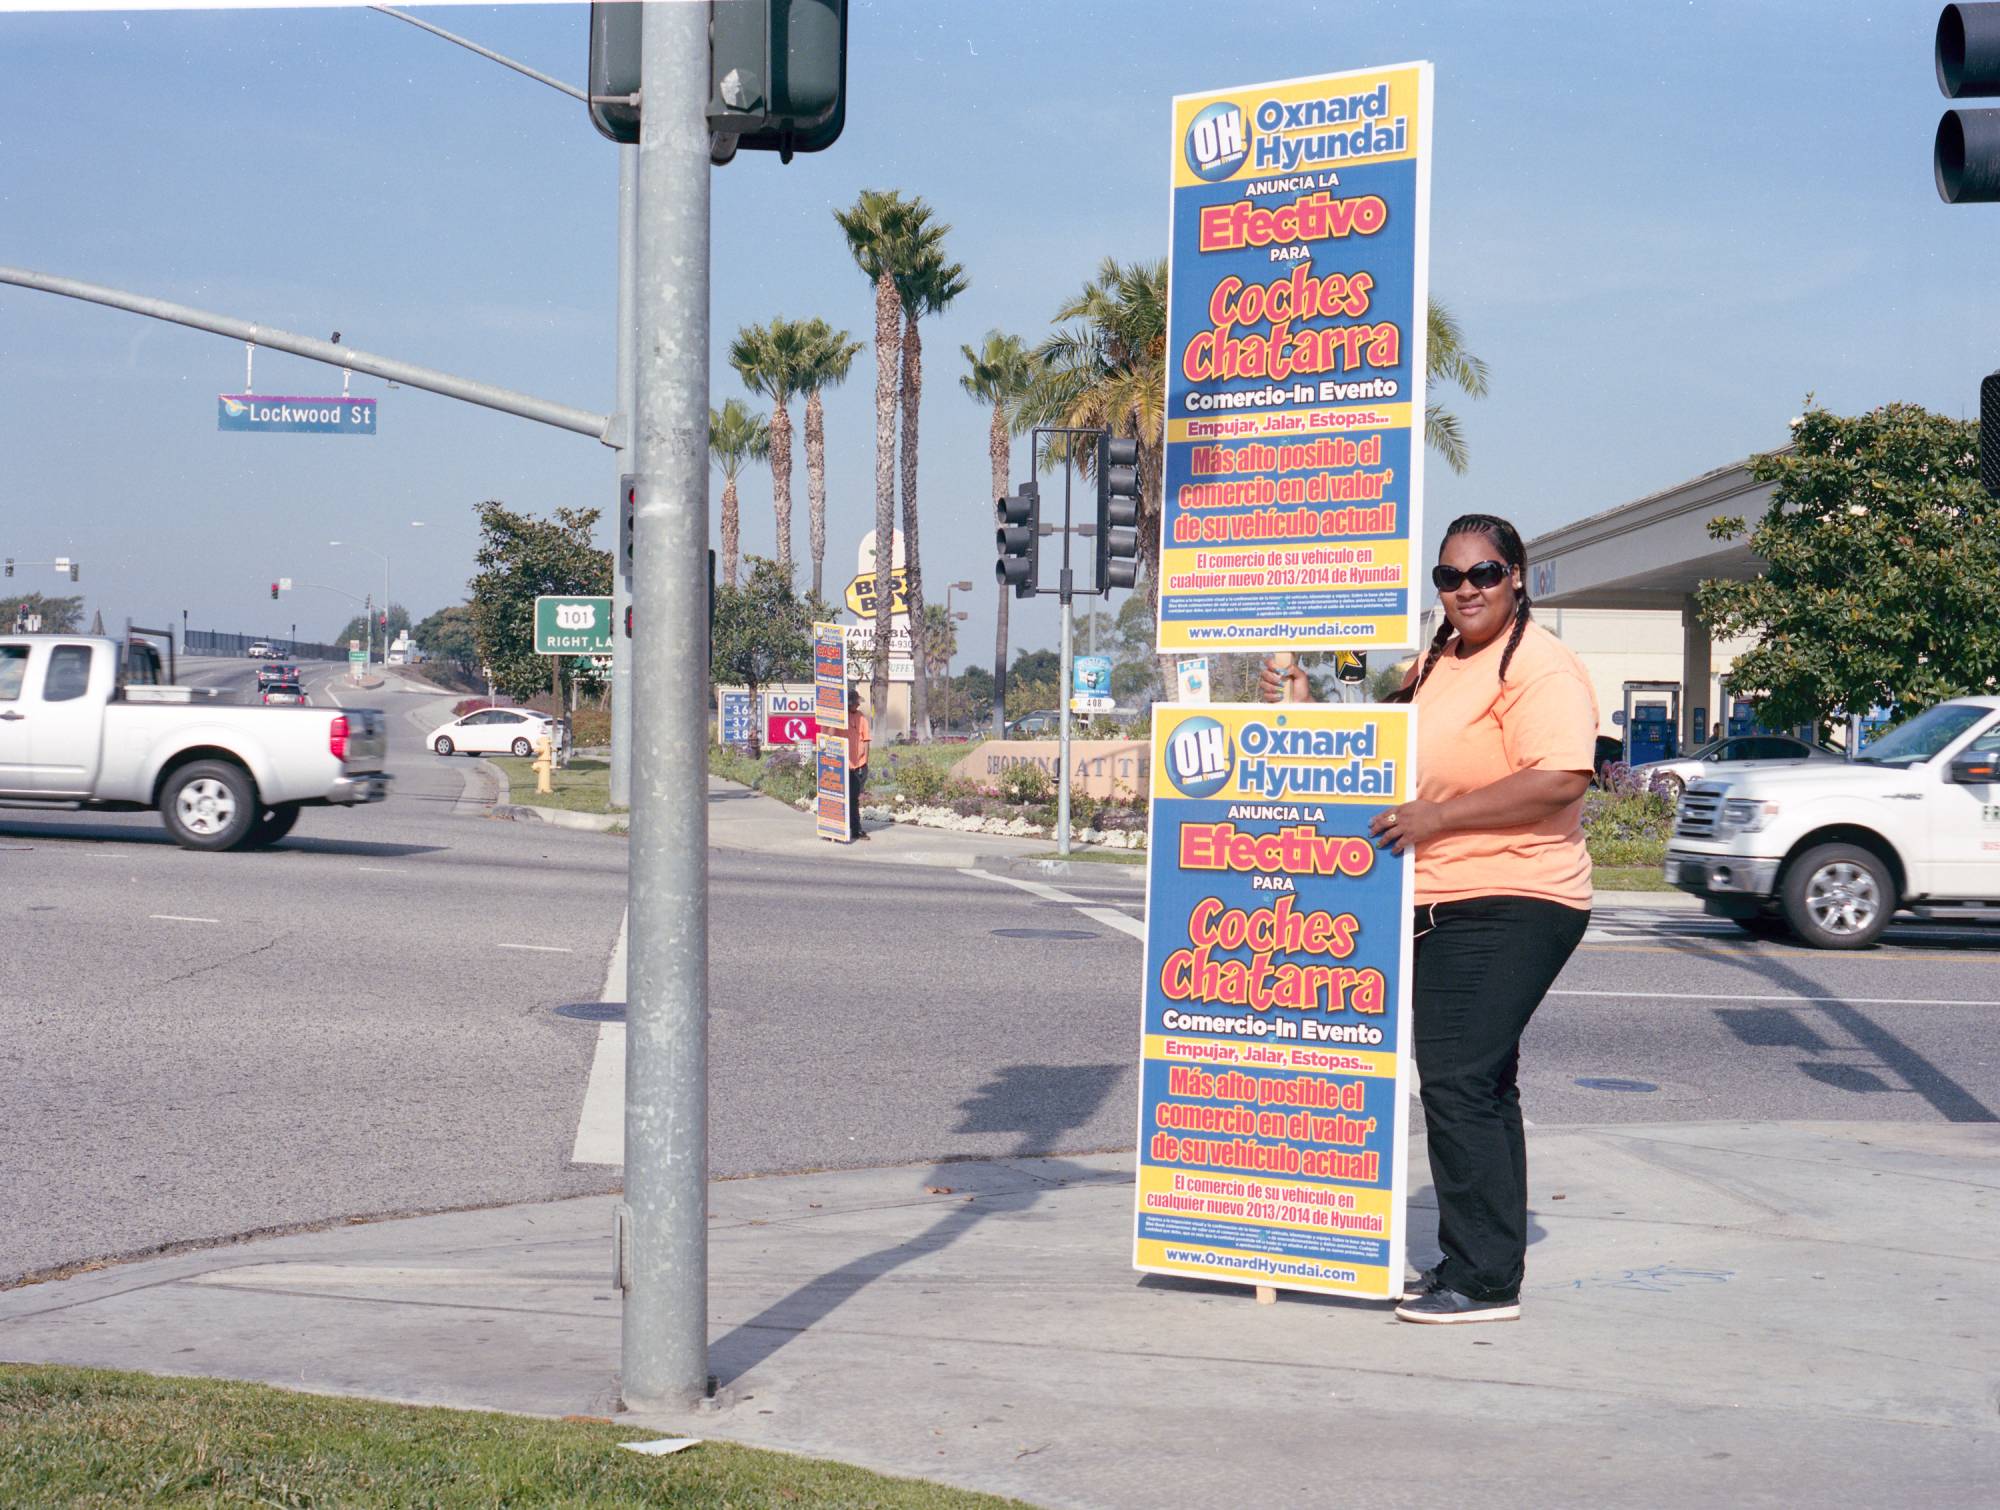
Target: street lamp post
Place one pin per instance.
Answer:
(415, 524)
(950, 635)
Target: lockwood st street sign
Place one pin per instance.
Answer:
(294, 416)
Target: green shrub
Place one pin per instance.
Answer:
(921, 781)
(787, 777)
(1026, 784)
(590, 727)
(1626, 828)
(733, 765)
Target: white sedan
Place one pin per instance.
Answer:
(492, 731)
(1721, 756)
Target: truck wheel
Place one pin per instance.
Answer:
(1839, 896)
(444, 746)
(209, 804)
(273, 824)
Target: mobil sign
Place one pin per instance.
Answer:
(788, 718)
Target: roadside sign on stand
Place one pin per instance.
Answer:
(830, 676)
(833, 805)
(1274, 1071)
(1293, 472)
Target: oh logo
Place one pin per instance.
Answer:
(1218, 140)
(1200, 757)
(576, 615)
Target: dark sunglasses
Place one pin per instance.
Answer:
(1486, 574)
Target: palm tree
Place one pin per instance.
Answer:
(828, 356)
(735, 438)
(885, 235)
(927, 288)
(998, 375)
(1446, 359)
(769, 359)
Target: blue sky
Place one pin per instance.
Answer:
(1662, 224)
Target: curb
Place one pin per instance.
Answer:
(603, 823)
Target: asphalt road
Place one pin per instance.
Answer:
(361, 1020)
(356, 1021)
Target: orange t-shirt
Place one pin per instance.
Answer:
(857, 738)
(1474, 730)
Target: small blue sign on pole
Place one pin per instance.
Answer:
(294, 416)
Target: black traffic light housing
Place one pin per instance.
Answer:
(1018, 537)
(1117, 512)
(1965, 158)
(274, 589)
(777, 74)
(628, 503)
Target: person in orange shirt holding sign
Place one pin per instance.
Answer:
(857, 761)
(1505, 746)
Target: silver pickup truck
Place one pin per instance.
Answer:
(90, 722)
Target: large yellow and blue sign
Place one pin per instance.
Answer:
(1276, 1029)
(1295, 373)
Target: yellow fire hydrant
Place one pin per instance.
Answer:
(545, 762)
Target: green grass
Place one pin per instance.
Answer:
(1628, 878)
(583, 786)
(1098, 856)
(75, 1437)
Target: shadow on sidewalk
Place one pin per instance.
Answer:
(1038, 1103)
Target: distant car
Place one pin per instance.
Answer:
(261, 650)
(1736, 752)
(276, 671)
(491, 731)
(1045, 723)
(282, 693)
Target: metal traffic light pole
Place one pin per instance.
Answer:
(1069, 592)
(662, 1240)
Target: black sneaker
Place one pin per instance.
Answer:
(1422, 1285)
(1441, 1306)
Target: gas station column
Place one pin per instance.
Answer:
(1697, 714)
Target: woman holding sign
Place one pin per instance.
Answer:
(1505, 747)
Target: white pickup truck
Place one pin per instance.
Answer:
(86, 722)
(1834, 851)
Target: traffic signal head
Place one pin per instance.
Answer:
(1965, 158)
(1117, 512)
(75, 571)
(274, 589)
(1989, 434)
(10, 566)
(1018, 537)
(777, 74)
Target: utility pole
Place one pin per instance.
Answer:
(663, 1225)
(621, 584)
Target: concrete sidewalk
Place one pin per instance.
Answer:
(1774, 1314)
(742, 819)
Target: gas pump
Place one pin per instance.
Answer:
(1652, 721)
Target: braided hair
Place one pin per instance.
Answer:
(1507, 540)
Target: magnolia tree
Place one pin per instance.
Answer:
(1884, 568)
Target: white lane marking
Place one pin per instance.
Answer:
(174, 917)
(1110, 917)
(1114, 919)
(540, 948)
(1033, 888)
(380, 870)
(1852, 1001)
(600, 1126)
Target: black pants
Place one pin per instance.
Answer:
(1483, 966)
(857, 778)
